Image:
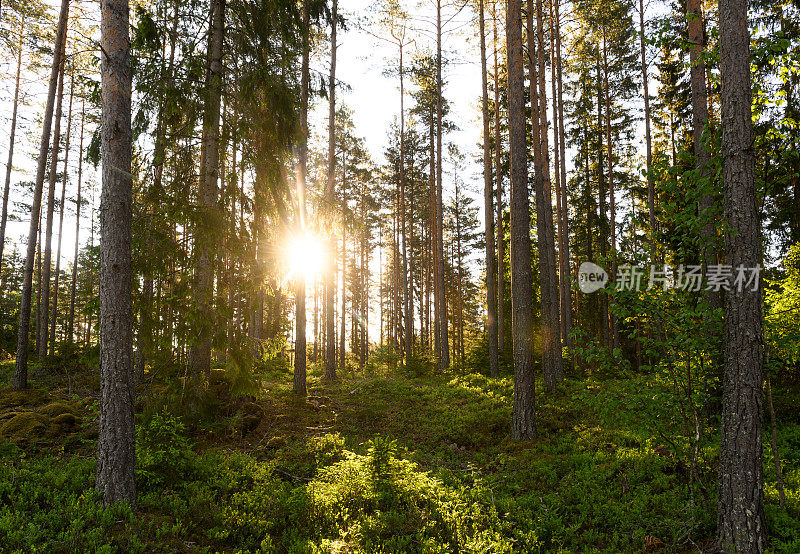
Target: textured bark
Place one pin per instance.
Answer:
(441, 307)
(299, 378)
(20, 378)
(330, 199)
(200, 353)
(741, 525)
(552, 366)
(44, 306)
(12, 135)
(523, 423)
(116, 455)
(57, 278)
(651, 187)
(488, 208)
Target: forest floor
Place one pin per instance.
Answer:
(377, 463)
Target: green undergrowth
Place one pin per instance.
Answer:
(378, 463)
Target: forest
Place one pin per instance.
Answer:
(400, 276)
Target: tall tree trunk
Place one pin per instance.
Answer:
(498, 148)
(488, 208)
(434, 240)
(200, 353)
(441, 308)
(12, 135)
(741, 524)
(523, 419)
(73, 286)
(552, 366)
(116, 455)
(559, 223)
(651, 187)
(602, 221)
(330, 199)
(566, 289)
(20, 378)
(699, 126)
(44, 308)
(299, 381)
(61, 218)
(408, 317)
(342, 352)
(611, 197)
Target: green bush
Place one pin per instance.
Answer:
(163, 452)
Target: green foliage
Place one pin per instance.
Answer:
(48, 504)
(420, 365)
(782, 318)
(379, 502)
(592, 354)
(385, 356)
(608, 472)
(163, 453)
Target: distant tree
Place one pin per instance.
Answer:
(20, 378)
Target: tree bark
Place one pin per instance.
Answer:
(44, 307)
(299, 379)
(73, 286)
(498, 147)
(12, 135)
(523, 422)
(552, 366)
(408, 324)
(702, 156)
(488, 208)
(330, 199)
(57, 278)
(741, 524)
(566, 289)
(20, 377)
(441, 308)
(200, 353)
(651, 187)
(116, 455)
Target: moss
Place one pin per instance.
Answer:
(28, 397)
(55, 409)
(66, 420)
(24, 426)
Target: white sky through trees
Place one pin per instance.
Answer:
(372, 96)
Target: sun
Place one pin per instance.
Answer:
(305, 256)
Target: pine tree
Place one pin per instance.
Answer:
(20, 378)
(523, 423)
(115, 448)
(741, 524)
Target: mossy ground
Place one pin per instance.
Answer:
(379, 463)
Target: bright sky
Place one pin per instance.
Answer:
(372, 96)
(375, 97)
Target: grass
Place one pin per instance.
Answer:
(387, 463)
